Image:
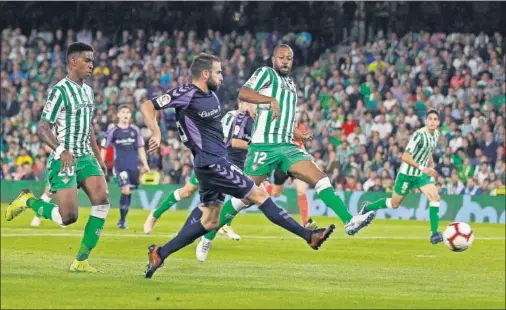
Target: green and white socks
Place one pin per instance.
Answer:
(328, 195)
(434, 216)
(387, 203)
(45, 209)
(379, 204)
(93, 230)
(167, 203)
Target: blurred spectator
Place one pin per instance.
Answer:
(471, 188)
(362, 105)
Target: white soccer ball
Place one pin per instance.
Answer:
(458, 236)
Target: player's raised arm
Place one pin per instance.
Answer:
(177, 98)
(259, 80)
(149, 115)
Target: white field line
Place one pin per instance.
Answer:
(78, 233)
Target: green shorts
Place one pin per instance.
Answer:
(193, 179)
(405, 183)
(85, 166)
(265, 158)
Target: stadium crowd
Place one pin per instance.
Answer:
(362, 105)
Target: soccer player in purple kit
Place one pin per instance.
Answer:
(198, 115)
(128, 152)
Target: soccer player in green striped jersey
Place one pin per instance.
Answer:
(272, 145)
(66, 127)
(417, 172)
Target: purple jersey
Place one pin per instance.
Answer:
(242, 127)
(198, 119)
(126, 143)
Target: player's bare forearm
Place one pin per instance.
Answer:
(297, 133)
(431, 161)
(149, 115)
(239, 144)
(249, 95)
(103, 153)
(95, 148)
(142, 156)
(408, 159)
(46, 134)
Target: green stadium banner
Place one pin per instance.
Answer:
(415, 207)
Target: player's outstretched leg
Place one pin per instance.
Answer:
(181, 193)
(188, 234)
(307, 171)
(65, 215)
(95, 187)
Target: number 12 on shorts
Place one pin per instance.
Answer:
(259, 158)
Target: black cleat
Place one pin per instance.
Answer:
(154, 261)
(319, 236)
(436, 238)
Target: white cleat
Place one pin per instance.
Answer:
(358, 222)
(35, 222)
(203, 248)
(229, 232)
(150, 223)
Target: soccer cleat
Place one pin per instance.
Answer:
(364, 206)
(319, 236)
(436, 238)
(227, 230)
(203, 248)
(154, 261)
(122, 224)
(35, 222)
(358, 222)
(18, 205)
(150, 223)
(82, 266)
(311, 225)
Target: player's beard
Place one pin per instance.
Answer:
(278, 70)
(212, 85)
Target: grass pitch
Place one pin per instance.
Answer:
(390, 264)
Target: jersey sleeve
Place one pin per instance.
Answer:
(227, 121)
(178, 98)
(54, 104)
(260, 79)
(106, 142)
(413, 142)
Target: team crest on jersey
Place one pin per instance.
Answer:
(163, 100)
(132, 133)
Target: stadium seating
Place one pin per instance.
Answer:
(362, 101)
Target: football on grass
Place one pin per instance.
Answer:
(458, 236)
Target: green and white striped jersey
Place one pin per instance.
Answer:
(70, 107)
(420, 146)
(266, 81)
(227, 122)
